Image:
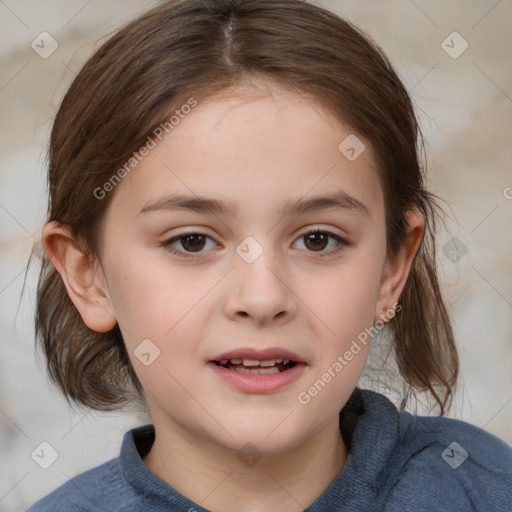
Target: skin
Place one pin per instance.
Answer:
(196, 308)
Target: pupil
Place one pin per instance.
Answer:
(312, 236)
(195, 243)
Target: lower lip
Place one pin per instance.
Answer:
(258, 382)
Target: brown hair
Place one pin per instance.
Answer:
(196, 48)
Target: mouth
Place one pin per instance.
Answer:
(257, 360)
(258, 370)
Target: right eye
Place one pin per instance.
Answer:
(192, 241)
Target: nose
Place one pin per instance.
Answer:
(260, 291)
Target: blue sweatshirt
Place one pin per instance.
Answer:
(397, 462)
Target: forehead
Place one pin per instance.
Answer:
(256, 146)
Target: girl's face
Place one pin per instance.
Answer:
(248, 277)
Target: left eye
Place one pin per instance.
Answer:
(318, 240)
(193, 243)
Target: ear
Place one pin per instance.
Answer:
(83, 278)
(396, 271)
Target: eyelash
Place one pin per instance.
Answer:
(167, 244)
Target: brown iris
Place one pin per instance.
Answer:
(315, 237)
(198, 242)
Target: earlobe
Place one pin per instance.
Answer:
(82, 277)
(397, 270)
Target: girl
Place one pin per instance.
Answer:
(237, 208)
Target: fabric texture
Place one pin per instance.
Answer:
(397, 462)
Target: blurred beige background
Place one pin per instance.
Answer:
(465, 103)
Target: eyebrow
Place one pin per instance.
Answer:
(339, 200)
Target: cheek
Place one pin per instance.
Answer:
(161, 311)
(344, 297)
(344, 302)
(150, 299)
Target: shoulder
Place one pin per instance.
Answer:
(450, 464)
(96, 489)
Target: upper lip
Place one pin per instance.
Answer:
(259, 354)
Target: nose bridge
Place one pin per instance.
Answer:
(258, 265)
(260, 288)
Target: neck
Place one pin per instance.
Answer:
(215, 477)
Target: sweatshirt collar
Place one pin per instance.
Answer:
(369, 424)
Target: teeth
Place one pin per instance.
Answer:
(266, 362)
(270, 362)
(254, 362)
